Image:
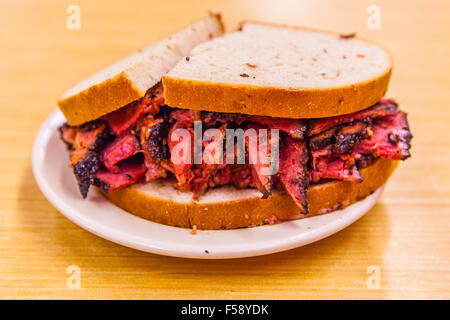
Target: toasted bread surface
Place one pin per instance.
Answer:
(128, 79)
(280, 71)
(231, 208)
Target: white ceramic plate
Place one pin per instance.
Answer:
(99, 216)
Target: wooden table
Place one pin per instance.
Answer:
(406, 237)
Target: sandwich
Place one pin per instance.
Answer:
(158, 133)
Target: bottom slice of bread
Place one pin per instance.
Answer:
(231, 208)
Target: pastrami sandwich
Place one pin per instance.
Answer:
(313, 100)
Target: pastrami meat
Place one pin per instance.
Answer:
(131, 145)
(340, 145)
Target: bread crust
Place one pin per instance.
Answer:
(274, 102)
(277, 102)
(116, 91)
(253, 211)
(99, 99)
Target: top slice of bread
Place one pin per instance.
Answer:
(280, 71)
(128, 79)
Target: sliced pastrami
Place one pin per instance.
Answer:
(293, 170)
(156, 99)
(154, 171)
(350, 135)
(340, 139)
(385, 107)
(127, 174)
(142, 131)
(68, 135)
(211, 171)
(121, 120)
(204, 175)
(85, 170)
(242, 177)
(120, 149)
(185, 118)
(181, 169)
(263, 181)
(124, 118)
(294, 127)
(153, 139)
(157, 140)
(390, 139)
(221, 177)
(85, 143)
(88, 134)
(364, 160)
(218, 118)
(328, 168)
(92, 136)
(324, 139)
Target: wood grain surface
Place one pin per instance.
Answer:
(406, 236)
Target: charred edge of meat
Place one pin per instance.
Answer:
(349, 136)
(323, 139)
(85, 171)
(393, 138)
(407, 153)
(379, 110)
(157, 149)
(61, 135)
(211, 118)
(164, 112)
(265, 187)
(267, 191)
(304, 181)
(89, 126)
(101, 184)
(305, 129)
(342, 139)
(390, 105)
(364, 161)
(102, 139)
(407, 137)
(404, 136)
